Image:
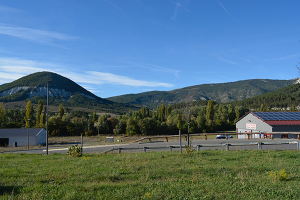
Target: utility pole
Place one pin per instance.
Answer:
(28, 120)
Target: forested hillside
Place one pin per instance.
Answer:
(284, 98)
(61, 91)
(220, 92)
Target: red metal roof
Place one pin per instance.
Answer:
(283, 122)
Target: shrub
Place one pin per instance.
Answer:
(279, 175)
(74, 151)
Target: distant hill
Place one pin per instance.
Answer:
(280, 99)
(220, 92)
(62, 91)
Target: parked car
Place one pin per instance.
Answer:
(223, 136)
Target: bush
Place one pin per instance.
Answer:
(74, 151)
(279, 175)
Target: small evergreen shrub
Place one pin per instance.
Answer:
(74, 151)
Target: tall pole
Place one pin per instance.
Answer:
(47, 115)
(28, 133)
(180, 141)
(98, 132)
(188, 133)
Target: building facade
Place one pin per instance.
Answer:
(255, 123)
(19, 137)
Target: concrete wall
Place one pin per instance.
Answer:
(22, 141)
(41, 137)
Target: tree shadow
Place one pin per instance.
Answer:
(9, 190)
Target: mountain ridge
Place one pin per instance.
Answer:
(220, 92)
(62, 91)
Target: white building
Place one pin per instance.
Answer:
(19, 137)
(254, 123)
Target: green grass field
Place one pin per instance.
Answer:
(213, 174)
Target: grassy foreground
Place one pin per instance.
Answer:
(214, 174)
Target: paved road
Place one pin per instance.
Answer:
(87, 148)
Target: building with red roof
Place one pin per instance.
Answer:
(256, 123)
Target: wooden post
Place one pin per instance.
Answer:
(298, 136)
(166, 139)
(226, 137)
(81, 144)
(180, 141)
(205, 137)
(185, 138)
(149, 139)
(248, 137)
(272, 136)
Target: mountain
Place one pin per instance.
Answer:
(283, 98)
(220, 92)
(62, 91)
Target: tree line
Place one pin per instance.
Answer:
(195, 117)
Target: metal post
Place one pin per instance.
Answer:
(81, 143)
(47, 115)
(170, 148)
(227, 147)
(119, 150)
(298, 146)
(188, 133)
(145, 149)
(180, 141)
(198, 147)
(98, 133)
(28, 121)
(259, 145)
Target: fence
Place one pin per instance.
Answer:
(227, 145)
(206, 134)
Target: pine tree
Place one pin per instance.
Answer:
(94, 116)
(210, 110)
(262, 108)
(29, 114)
(237, 113)
(44, 116)
(2, 114)
(39, 111)
(61, 111)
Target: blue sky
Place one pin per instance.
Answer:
(115, 47)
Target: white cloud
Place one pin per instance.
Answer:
(226, 10)
(13, 68)
(4, 9)
(124, 80)
(227, 61)
(34, 34)
(114, 5)
(177, 6)
(283, 58)
(157, 68)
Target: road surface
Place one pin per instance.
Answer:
(88, 148)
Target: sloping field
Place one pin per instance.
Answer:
(158, 175)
